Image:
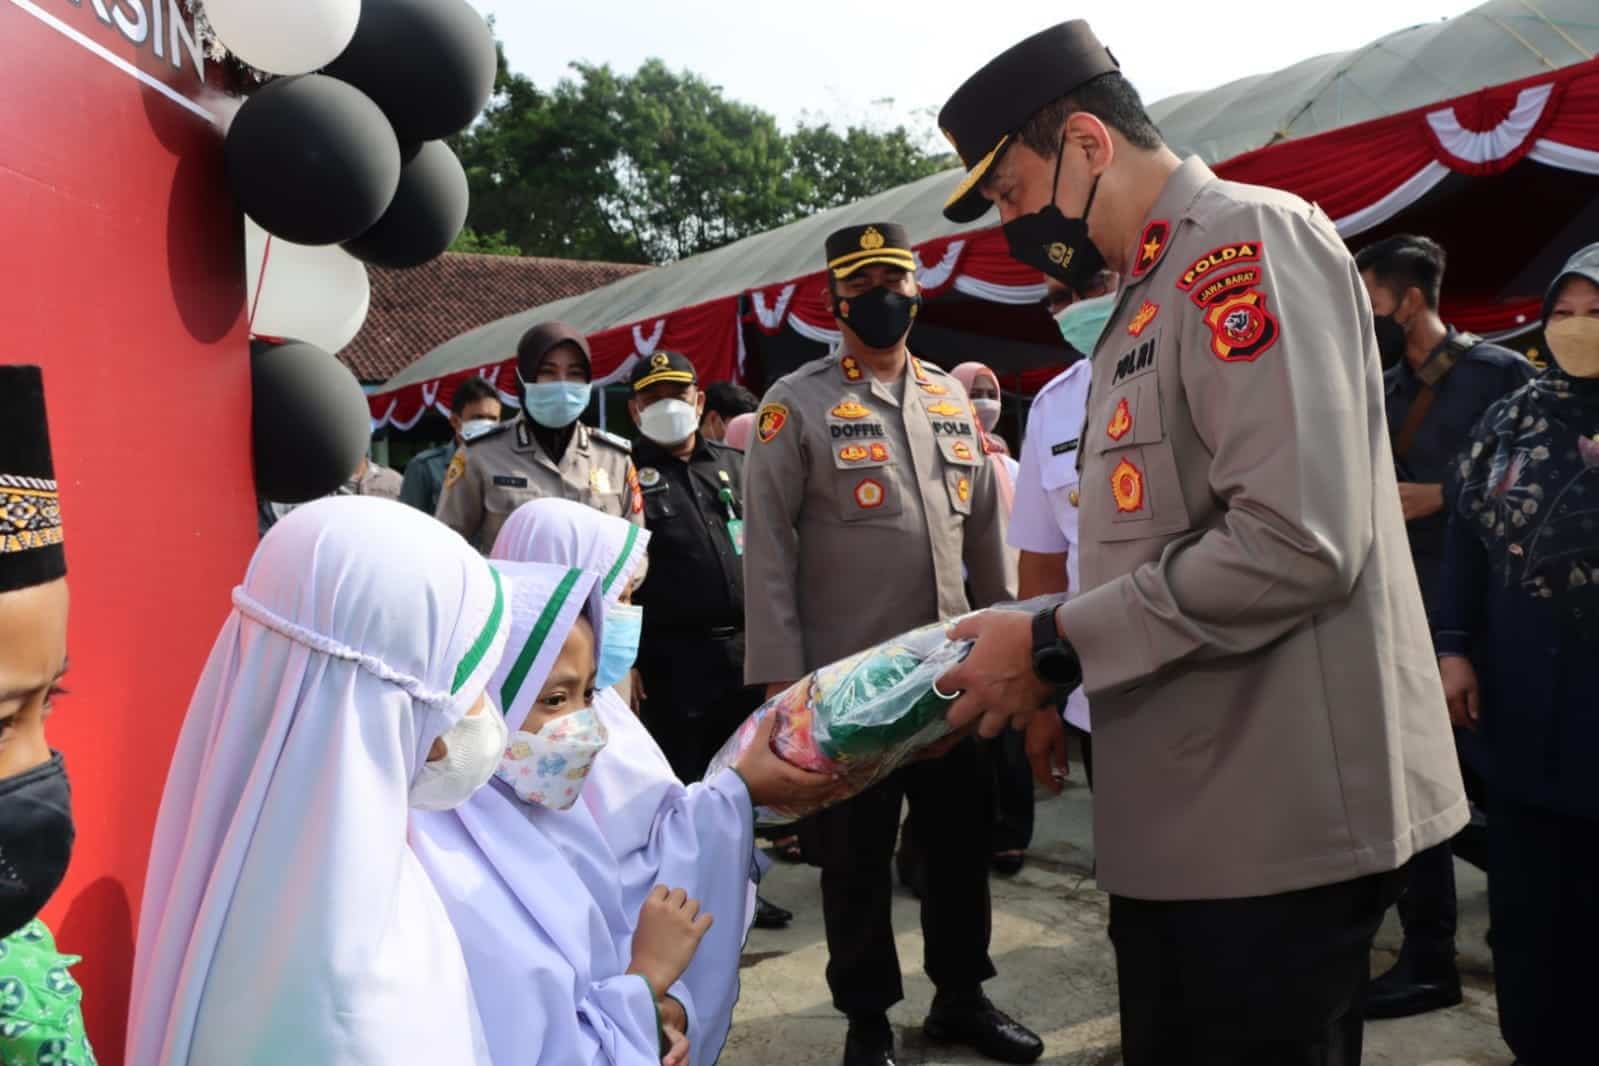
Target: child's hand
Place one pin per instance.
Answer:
(670, 928)
(773, 782)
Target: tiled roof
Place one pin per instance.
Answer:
(414, 311)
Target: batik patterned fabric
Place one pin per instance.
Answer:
(41, 1015)
(1528, 487)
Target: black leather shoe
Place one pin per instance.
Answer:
(769, 915)
(1413, 987)
(986, 1029)
(870, 1045)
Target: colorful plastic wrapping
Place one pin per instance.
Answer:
(861, 717)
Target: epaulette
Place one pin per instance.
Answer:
(612, 439)
(490, 434)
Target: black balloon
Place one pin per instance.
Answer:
(426, 216)
(313, 160)
(309, 421)
(429, 64)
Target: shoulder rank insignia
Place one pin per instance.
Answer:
(770, 422)
(612, 439)
(1150, 244)
(1127, 486)
(1215, 259)
(1146, 314)
(946, 409)
(1241, 327)
(869, 494)
(457, 467)
(1121, 421)
(850, 409)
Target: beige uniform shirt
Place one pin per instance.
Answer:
(1268, 714)
(863, 500)
(496, 473)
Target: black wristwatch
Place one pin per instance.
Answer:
(1054, 660)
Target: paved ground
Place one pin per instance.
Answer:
(1056, 970)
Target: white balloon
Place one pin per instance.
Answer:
(284, 36)
(318, 295)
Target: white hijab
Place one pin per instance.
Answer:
(699, 838)
(284, 917)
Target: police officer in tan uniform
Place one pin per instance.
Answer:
(545, 453)
(866, 490)
(1271, 744)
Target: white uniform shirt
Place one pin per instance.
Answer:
(1044, 516)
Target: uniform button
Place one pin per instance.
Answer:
(1071, 497)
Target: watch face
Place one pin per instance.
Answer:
(1058, 666)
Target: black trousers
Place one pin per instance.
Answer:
(854, 843)
(1269, 981)
(1429, 911)
(1006, 756)
(692, 700)
(1543, 900)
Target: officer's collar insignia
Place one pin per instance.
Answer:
(1151, 245)
(851, 368)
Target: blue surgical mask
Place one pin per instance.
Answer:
(1083, 321)
(555, 404)
(619, 637)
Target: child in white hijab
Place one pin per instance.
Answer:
(698, 837)
(285, 919)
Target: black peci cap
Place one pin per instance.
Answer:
(1585, 264)
(983, 114)
(537, 342)
(31, 550)
(854, 247)
(663, 366)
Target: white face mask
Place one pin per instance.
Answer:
(987, 412)
(475, 428)
(549, 767)
(474, 746)
(669, 422)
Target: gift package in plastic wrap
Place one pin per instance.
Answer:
(860, 717)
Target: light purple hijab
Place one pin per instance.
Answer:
(700, 837)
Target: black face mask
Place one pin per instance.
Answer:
(1056, 245)
(1390, 339)
(880, 317)
(36, 837)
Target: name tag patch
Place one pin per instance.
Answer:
(1065, 447)
(509, 482)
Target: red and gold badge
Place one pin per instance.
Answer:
(1241, 328)
(961, 450)
(634, 490)
(851, 368)
(853, 453)
(1216, 259)
(1127, 486)
(868, 494)
(1150, 244)
(1146, 314)
(879, 453)
(1121, 420)
(946, 409)
(770, 422)
(851, 409)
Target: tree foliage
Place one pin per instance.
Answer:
(657, 165)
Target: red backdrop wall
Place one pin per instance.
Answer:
(121, 272)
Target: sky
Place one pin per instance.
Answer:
(847, 61)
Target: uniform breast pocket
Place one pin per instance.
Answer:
(1140, 495)
(506, 492)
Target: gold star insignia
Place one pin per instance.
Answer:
(1151, 249)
